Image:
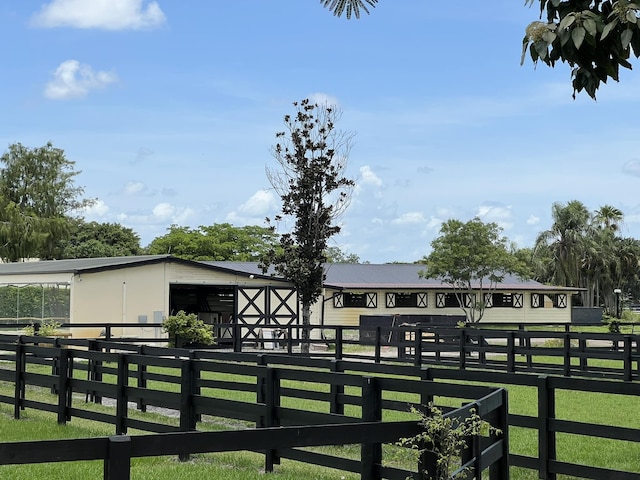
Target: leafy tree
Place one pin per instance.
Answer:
(220, 241)
(594, 37)
(472, 258)
(38, 199)
(312, 156)
(336, 255)
(93, 240)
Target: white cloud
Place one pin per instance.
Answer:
(324, 99)
(632, 167)
(162, 214)
(98, 209)
(260, 203)
(133, 188)
(409, 218)
(368, 177)
(74, 80)
(533, 220)
(102, 14)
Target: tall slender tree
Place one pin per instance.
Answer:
(312, 157)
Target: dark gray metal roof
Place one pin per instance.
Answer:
(389, 275)
(339, 275)
(78, 264)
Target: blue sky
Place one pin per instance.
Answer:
(170, 108)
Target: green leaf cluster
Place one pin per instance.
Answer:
(446, 436)
(595, 38)
(38, 199)
(188, 328)
(472, 257)
(221, 241)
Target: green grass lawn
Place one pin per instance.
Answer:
(598, 408)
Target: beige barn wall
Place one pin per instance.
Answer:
(185, 274)
(119, 296)
(351, 316)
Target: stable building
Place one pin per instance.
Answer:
(238, 299)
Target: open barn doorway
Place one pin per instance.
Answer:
(215, 305)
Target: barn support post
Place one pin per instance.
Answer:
(336, 390)
(117, 464)
(546, 436)
(371, 453)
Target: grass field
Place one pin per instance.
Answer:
(598, 408)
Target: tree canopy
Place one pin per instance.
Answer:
(594, 37)
(221, 241)
(472, 258)
(314, 190)
(93, 240)
(38, 200)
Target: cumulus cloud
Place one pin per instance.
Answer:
(101, 14)
(409, 218)
(533, 220)
(260, 203)
(368, 177)
(97, 210)
(162, 214)
(254, 210)
(324, 99)
(134, 188)
(632, 167)
(74, 80)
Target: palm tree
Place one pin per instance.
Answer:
(565, 241)
(608, 217)
(339, 6)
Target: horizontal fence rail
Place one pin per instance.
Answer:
(190, 382)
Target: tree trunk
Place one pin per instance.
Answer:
(306, 320)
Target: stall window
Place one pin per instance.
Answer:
(406, 299)
(355, 300)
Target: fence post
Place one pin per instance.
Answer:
(142, 380)
(567, 354)
(417, 358)
(63, 385)
(339, 343)
(18, 399)
(627, 356)
(237, 337)
(582, 345)
(187, 416)
(117, 465)
(121, 394)
(336, 390)
(463, 350)
(500, 469)
(371, 453)
(378, 340)
(546, 436)
(426, 374)
(511, 351)
(271, 399)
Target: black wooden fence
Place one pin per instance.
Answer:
(188, 381)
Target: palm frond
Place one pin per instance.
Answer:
(338, 7)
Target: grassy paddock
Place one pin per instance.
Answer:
(598, 408)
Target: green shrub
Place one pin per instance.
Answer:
(184, 329)
(47, 328)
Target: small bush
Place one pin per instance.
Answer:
(47, 328)
(187, 329)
